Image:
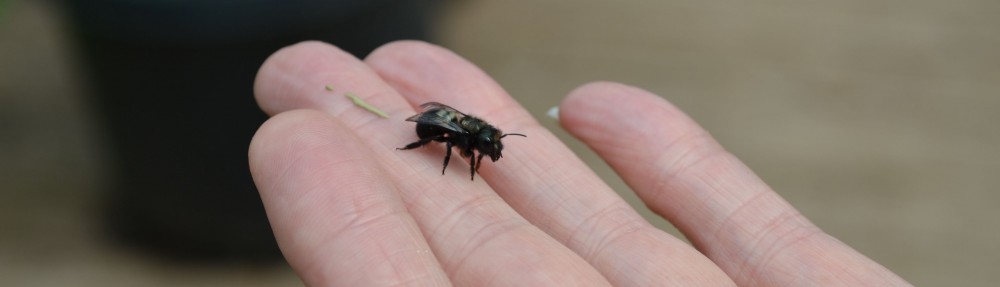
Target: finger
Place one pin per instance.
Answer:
(478, 239)
(315, 75)
(542, 179)
(716, 201)
(336, 222)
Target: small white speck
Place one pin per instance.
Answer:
(553, 113)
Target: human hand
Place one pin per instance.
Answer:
(349, 209)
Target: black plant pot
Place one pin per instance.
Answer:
(172, 81)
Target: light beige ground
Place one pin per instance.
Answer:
(877, 119)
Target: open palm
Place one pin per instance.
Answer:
(349, 209)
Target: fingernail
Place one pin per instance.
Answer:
(553, 113)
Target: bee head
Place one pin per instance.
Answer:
(489, 143)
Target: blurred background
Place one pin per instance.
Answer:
(877, 119)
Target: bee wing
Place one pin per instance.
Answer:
(429, 106)
(440, 115)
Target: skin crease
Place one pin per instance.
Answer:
(348, 209)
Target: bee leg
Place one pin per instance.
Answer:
(447, 157)
(415, 144)
(419, 143)
(479, 161)
(472, 167)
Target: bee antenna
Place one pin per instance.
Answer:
(512, 135)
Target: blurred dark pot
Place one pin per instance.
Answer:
(172, 81)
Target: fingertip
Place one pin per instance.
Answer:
(281, 135)
(293, 52)
(269, 79)
(404, 65)
(600, 90)
(602, 108)
(595, 97)
(405, 55)
(600, 96)
(424, 72)
(296, 77)
(401, 48)
(281, 125)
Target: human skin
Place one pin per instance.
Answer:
(349, 209)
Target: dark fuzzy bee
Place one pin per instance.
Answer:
(442, 123)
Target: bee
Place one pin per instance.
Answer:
(470, 134)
